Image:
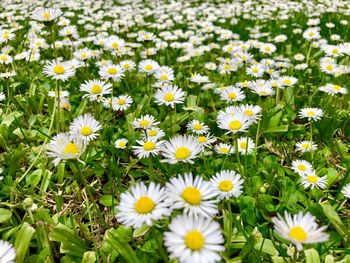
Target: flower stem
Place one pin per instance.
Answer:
(58, 98)
(237, 157)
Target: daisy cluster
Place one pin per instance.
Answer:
(190, 115)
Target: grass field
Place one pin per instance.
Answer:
(174, 131)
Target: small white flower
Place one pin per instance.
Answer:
(227, 184)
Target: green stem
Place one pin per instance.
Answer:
(229, 230)
(58, 98)
(237, 157)
(311, 151)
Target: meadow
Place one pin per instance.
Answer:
(174, 131)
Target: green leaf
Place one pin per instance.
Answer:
(5, 215)
(107, 200)
(23, 237)
(141, 231)
(333, 217)
(89, 257)
(311, 256)
(121, 246)
(34, 178)
(11, 117)
(277, 129)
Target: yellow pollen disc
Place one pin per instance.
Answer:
(126, 66)
(192, 195)
(121, 102)
(335, 51)
(149, 67)
(336, 87)
(225, 186)
(164, 77)
(144, 123)
(86, 131)
(224, 150)
(71, 148)
(311, 34)
(46, 15)
(329, 67)
(267, 49)
(115, 45)
(144, 205)
(287, 81)
(194, 240)
(169, 97)
(298, 233)
(312, 179)
(122, 144)
(243, 145)
(202, 139)
(235, 125)
(3, 58)
(255, 70)
(232, 95)
(112, 71)
(245, 84)
(263, 92)
(248, 113)
(96, 89)
(302, 167)
(197, 127)
(149, 146)
(226, 66)
(310, 113)
(152, 133)
(58, 69)
(182, 153)
(305, 145)
(65, 106)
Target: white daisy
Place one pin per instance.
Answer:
(144, 122)
(245, 145)
(194, 240)
(95, 89)
(346, 190)
(233, 124)
(148, 66)
(121, 103)
(312, 180)
(147, 148)
(193, 194)
(85, 127)
(7, 252)
(301, 167)
(224, 148)
(232, 94)
(153, 133)
(58, 70)
(253, 112)
(305, 146)
(197, 127)
(111, 71)
(311, 113)
(169, 95)
(121, 143)
(142, 205)
(299, 229)
(227, 184)
(181, 148)
(46, 14)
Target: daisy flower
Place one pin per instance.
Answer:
(305, 146)
(206, 140)
(234, 123)
(144, 122)
(232, 94)
(224, 148)
(311, 113)
(312, 33)
(7, 252)
(142, 205)
(85, 127)
(148, 66)
(64, 147)
(194, 240)
(169, 95)
(59, 70)
(299, 229)
(301, 167)
(127, 65)
(46, 14)
(197, 127)
(95, 89)
(332, 89)
(111, 71)
(198, 78)
(121, 143)
(227, 184)
(346, 190)
(181, 148)
(193, 194)
(147, 147)
(121, 103)
(164, 74)
(153, 133)
(253, 112)
(245, 145)
(312, 180)
(286, 81)
(255, 70)
(2, 96)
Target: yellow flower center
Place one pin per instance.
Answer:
(169, 97)
(302, 167)
(224, 150)
(192, 195)
(71, 148)
(164, 77)
(152, 133)
(58, 69)
(311, 34)
(3, 58)
(202, 139)
(149, 67)
(255, 70)
(311, 113)
(121, 102)
(329, 67)
(336, 87)
(182, 153)
(198, 127)
(112, 71)
(46, 15)
(115, 45)
(225, 186)
(235, 125)
(144, 123)
(298, 233)
(287, 81)
(243, 145)
(149, 146)
(86, 131)
(96, 89)
(248, 113)
(312, 179)
(305, 145)
(126, 66)
(226, 66)
(122, 144)
(194, 240)
(232, 95)
(144, 205)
